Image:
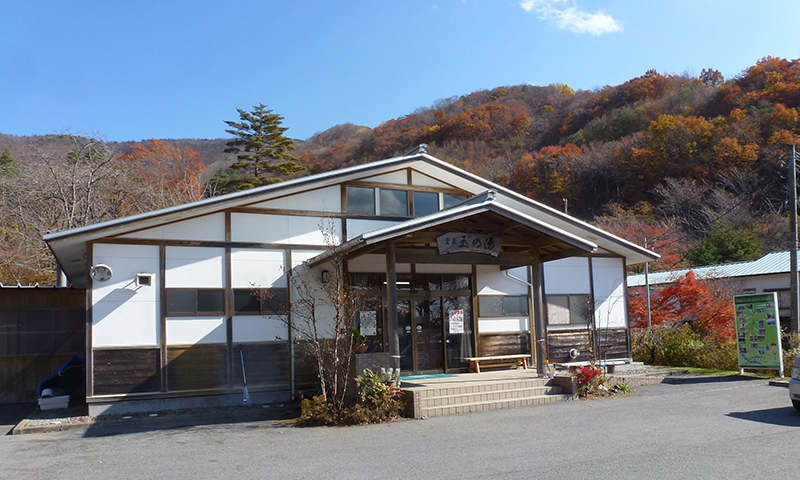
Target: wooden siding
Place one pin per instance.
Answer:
(126, 370)
(266, 364)
(503, 344)
(612, 343)
(40, 329)
(197, 367)
(560, 343)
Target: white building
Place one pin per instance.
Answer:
(169, 292)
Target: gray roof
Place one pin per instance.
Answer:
(71, 252)
(770, 264)
(484, 202)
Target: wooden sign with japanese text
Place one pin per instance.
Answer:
(469, 242)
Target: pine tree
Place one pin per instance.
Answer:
(263, 153)
(8, 166)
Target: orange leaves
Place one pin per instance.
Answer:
(704, 304)
(172, 173)
(547, 175)
(729, 153)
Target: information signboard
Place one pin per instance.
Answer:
(758, 332)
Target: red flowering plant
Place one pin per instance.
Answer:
(591, 380)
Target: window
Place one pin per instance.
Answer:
(503, 305)
(425, 203)
(361, 200)
(273, 301)
(394, 202)
(568, 309)
(195, 301)
(450, 200)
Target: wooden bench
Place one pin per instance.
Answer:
(517, 360)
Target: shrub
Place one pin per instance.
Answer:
(592, 382)
(380, 401)
(680, 346)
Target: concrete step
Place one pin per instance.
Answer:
(480, 387)
(492, 405)
(495, 395)
(435, 399)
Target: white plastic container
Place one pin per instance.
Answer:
(54, 403)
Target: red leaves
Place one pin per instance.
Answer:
(704, 304)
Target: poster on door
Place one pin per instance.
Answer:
(455, 319)
(368, 323)
(758, 331)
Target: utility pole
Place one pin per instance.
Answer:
(795, 299)
(647, 286)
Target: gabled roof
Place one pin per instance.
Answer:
(770, 264)
(551, 243)
(70, 246)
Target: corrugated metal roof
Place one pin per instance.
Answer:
(772, 263)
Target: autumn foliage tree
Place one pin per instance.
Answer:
(705, 305)
(168, 175)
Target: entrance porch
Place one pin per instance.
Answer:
(449, 394)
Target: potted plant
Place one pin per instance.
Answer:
(358, 341)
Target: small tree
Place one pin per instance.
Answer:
(262, 151)
(323, 317)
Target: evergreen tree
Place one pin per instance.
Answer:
(263, 153)
(8, 166)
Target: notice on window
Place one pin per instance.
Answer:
(369, 322)
(455, 320)
(758, 331)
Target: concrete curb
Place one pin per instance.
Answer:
(171, 419)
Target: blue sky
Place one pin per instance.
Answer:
(178, 69)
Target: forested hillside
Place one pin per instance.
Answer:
(694, 164)
(697, 165)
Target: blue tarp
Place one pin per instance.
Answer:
(69, 377)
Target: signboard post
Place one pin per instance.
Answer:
(758, 332)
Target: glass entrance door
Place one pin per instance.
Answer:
(435, 333)
(428, 335)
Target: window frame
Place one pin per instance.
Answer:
(264, 304)
(503, 305)
(197, 312)
(583, 298)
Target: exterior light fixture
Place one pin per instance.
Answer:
(326, 276)
(101, 272)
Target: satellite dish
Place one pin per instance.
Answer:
(101, 272)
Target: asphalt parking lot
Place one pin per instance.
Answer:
(701, 427)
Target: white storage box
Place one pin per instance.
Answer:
(54, 403)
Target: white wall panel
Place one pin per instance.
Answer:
(503, 324)
(124, 324)
(421, 179)
(568, 275)
(208, 228)
(262, 268)
(492, 281)
(122, 314)
(256, 328)
(300, 256)
(195, 267)
(195, 330)
(325, 199)
(399, 177)
(258, 228)
(609, 292)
